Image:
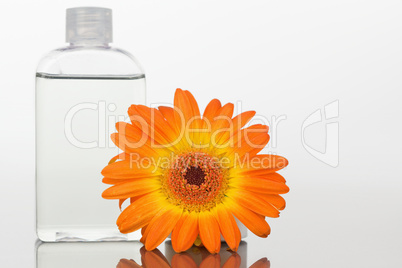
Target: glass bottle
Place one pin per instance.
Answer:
(82, 90)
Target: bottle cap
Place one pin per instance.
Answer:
(89, 25)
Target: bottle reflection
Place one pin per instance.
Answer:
(85, 254)
(134, 255)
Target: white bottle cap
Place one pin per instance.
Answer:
(89, 25)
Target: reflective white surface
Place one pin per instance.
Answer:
(280, 58)
(323, 227)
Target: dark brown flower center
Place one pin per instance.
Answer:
(195, 176)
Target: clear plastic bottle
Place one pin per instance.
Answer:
(81, 91)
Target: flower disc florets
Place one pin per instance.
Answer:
(195, 181)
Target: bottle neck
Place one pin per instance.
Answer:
(85, 43)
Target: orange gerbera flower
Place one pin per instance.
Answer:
(190, 175)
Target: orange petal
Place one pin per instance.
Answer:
(254, 202)
(131, 131)
(253, 221)
(242, 119)
(260, 185)
(176, 229)
(183, 111)
(139, 213)
(252, 144)
(226, 110)
(144, 234)
(211, 110)
(134, 149)
(223, 118)
(161, 226)
(123, 180)
(159, 129)
(132, 188)
(228, 226)
(132, 199)
(187, 118)
(222, 124)
(262, 164)
(129, 169)
(271, 176)
(209, 231)
(193, 103)
(276, 200)
(184, 101)
(237, 123)
(121, 201)
(134, 139)
(143, 229)
(168, 114)
(246, 140)
(185, 233)
(121, 156)
(196, 124)
(114, 181)
(207, 119)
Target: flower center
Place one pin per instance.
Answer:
(195, 176)
(195, 181)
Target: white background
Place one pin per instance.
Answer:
(280, 58)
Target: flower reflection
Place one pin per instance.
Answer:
(261, 263)
(189, 259)
(124, 263)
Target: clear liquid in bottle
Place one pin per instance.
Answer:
(82, 90)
